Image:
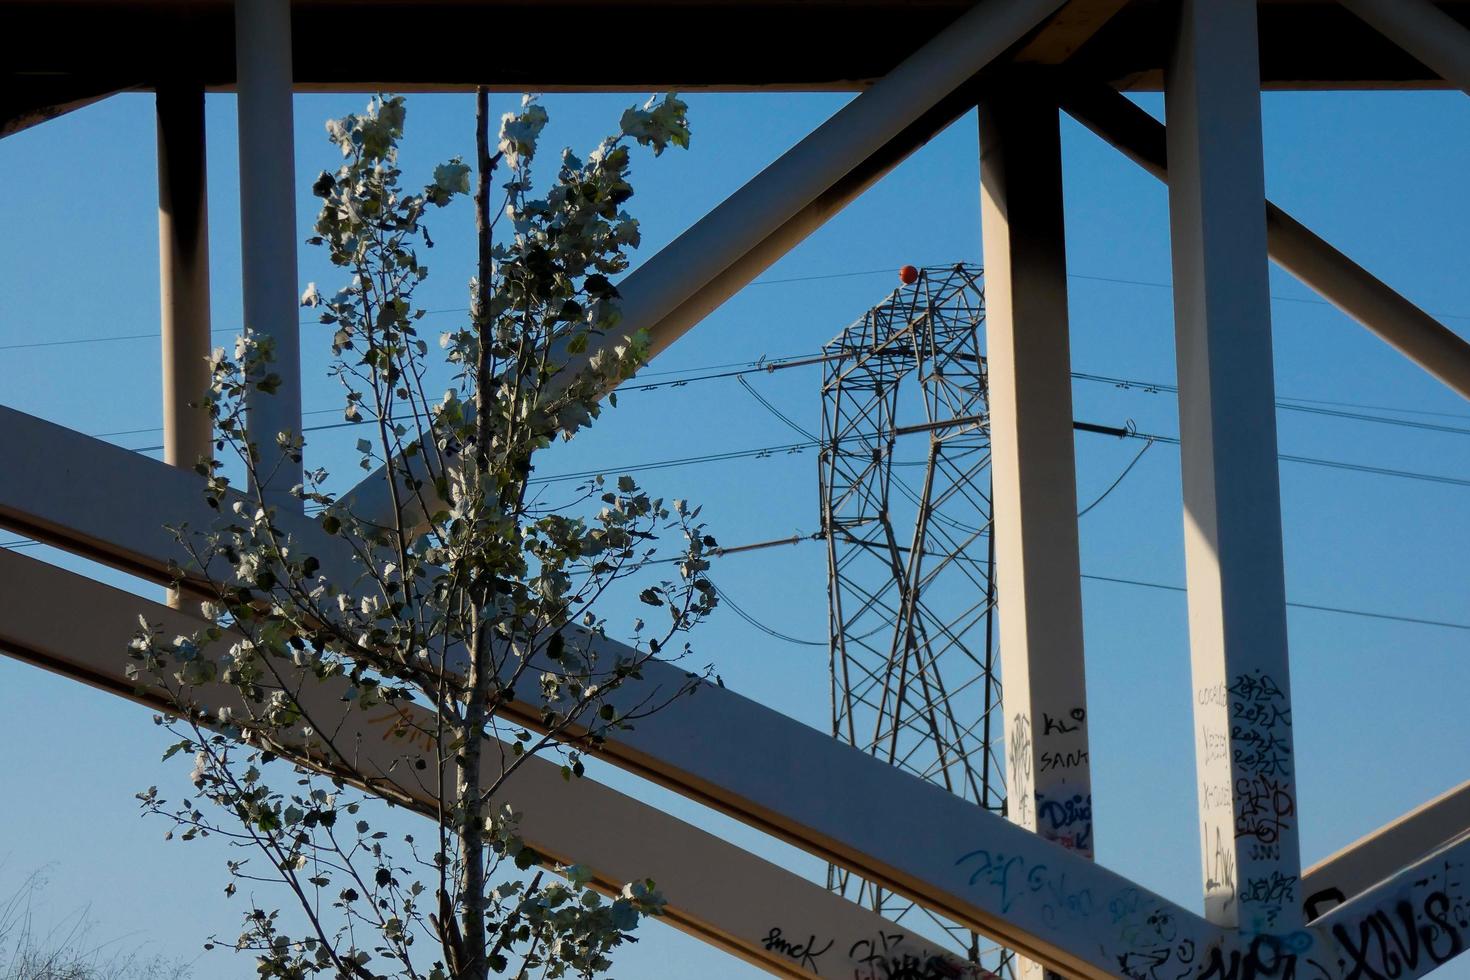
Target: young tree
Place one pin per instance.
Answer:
(475, 586)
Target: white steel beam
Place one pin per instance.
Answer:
(714, 746)
(183, 266)
(1406, 926)
(1232, 506)
(1048, 775)
(1379, 855)
(1048, 781)
(1422, 29)
(827, 798)
(1321, 267)
(717, 892)
(268, 230)
(778, 208)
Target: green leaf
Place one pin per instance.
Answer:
(452, 177)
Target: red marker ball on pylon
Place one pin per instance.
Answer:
(908, 275)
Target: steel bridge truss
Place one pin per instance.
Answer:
(1389, 905)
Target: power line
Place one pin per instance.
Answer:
(817, 277)
(451, 309)
(773, 410)
(769, 631)
(798, 447)
(758, 453)
(1335, 464)
(1304, 300)
(1288, 403)
(221, 331)
(1121, 476)
(1339, 610)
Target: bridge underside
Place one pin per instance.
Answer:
(919, 65)
(62, 54)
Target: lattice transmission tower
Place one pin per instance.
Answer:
(905, 484)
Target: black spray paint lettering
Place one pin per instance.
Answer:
(1384, 946)
(1267, 957)
(804, 953)
(1320, 902)
(1220, 868)
(1263, 809)
(1049, 761)
(1261, 688)
(884, 958)
(1268, 896)
(1061, 726)
(1274, 888)
(1260, 752)
(1166, 962)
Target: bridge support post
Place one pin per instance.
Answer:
(1034, 473)
(1232, 501)
(268, 230)
(183, 267)
(183, 275)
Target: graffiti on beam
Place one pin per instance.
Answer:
(1264, 795)
(1063, 726)
(1019, 778)
(882, 956)
(1425, 923)
(1066, 820)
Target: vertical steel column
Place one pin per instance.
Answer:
(183, 275)
(183, 272)
(1232, 501)
(1044, 692)
(268, 228)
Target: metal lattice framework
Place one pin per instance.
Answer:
(905, 482)
(1392, 904)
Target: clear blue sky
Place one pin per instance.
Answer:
(1379, 705)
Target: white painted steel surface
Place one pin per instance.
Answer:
(717, 892)
(183, 267)
(796, 782)
(1033, 472)
(713, 746)
(1033, 467)
(1232, 506)
(268, 229)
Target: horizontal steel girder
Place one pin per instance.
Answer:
(714, 746)
(801, 785)
(717, 892)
